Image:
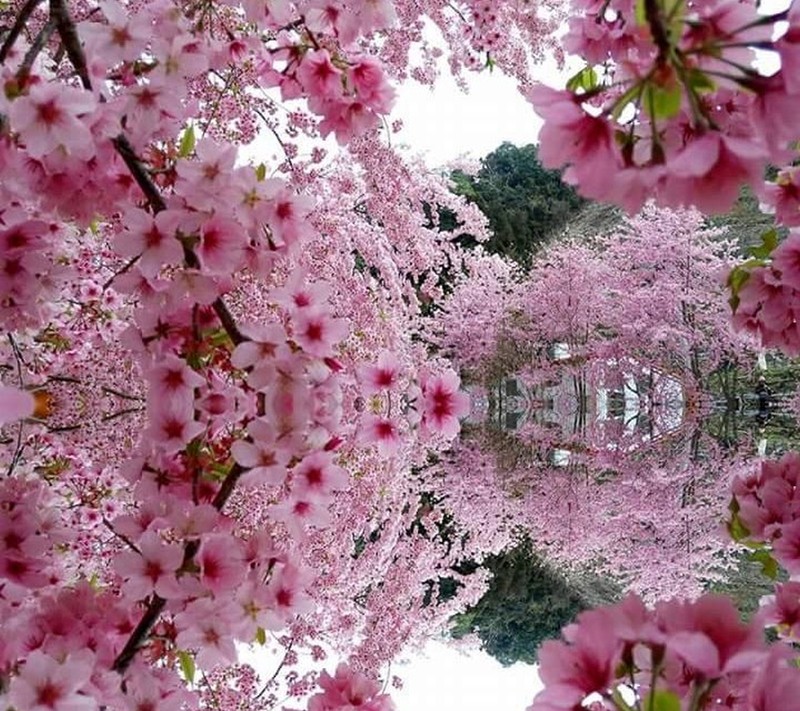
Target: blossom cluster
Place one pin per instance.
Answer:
(687, 655)
(671, 104)
(181, 377)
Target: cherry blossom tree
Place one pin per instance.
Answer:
(205, 441)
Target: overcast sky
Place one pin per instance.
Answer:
(445, 679)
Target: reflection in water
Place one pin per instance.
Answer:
(619, 477)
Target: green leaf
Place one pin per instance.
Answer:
(261, 172)
(186, 661)
(261, 636)
(769, 240)
(640, 13)
(585, 79)
(187, 143)
(769, 566)
(675, 18)
(700, 82)
(662, 700)
(737, 279)
(663, 102)
(736, 528)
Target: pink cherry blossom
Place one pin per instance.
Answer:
(204, 626)
(383, 432)
(782, 610)
(50, 117)
(45, 684)
(317, 332)
(349, 690)
(317, 474)
(264, 457)
(151, 569)
(384, 375)
(444, 404)
(318, 75)
(220, 560)
(152, 239)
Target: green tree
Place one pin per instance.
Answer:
(525, 203)
(527, 602)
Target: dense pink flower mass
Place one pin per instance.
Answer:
(693, 655)
(229, 380)
(670, 103)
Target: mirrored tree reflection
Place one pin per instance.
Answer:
(612, 407)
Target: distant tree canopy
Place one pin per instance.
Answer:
(527, 602)
(525, 203)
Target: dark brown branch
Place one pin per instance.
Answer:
(69, 37)
(36, 47)
(119, 393)
(228, 486)
(121, 536)
(157, 204)
(14, 32)
(121, 413)
(655, 20)
(139, 173)
(228, 322)
(156, 604)
(151, 614)
(122, 270)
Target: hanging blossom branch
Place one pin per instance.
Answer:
(67, 31)
(72, 46)
(157, 603)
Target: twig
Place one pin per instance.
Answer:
(121, 536)
(18, 447)
(156, 604)
(227, 487)
(228, 322)
(157, 204)
(14, 32)
(119, 393)
(278, 138)
(275, 675)
(139, 173)
(72, 43)
(124, 268)
(120, 413)
(36, 47)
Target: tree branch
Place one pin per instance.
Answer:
(15, 31)
(69, 37)
(156, 604)
(36, 47)
(139, 173)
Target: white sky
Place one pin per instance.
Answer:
(447, 679)
(444, 123)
